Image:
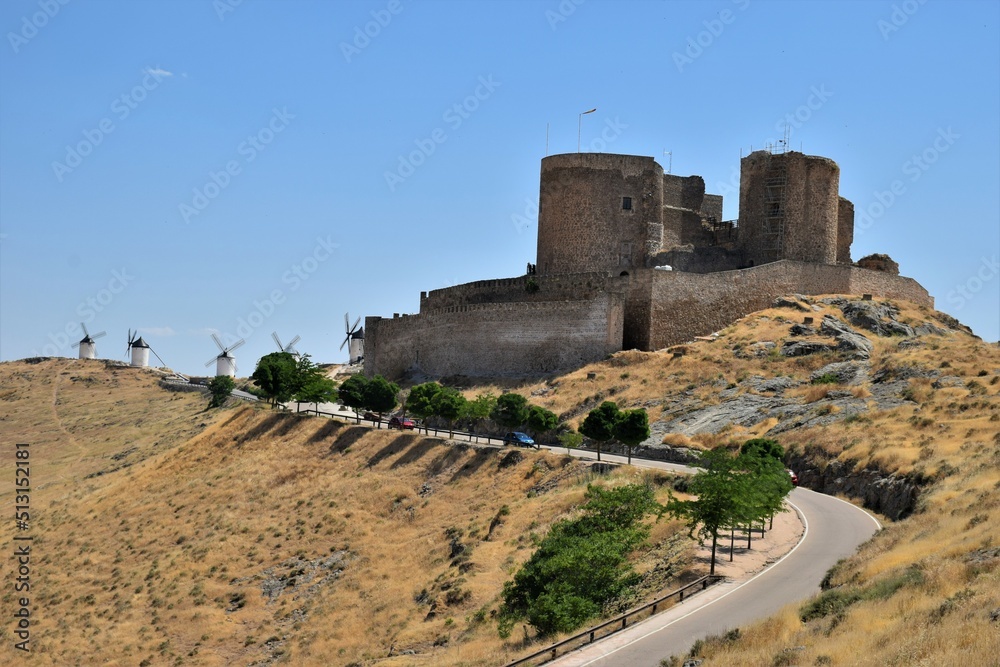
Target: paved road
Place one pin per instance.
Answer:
(834, 530)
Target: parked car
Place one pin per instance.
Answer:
(795, 478)
(370, 416)
(402, 423)
(519, 439)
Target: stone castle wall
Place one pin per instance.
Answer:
(810, 209)
(685, 305)
(563, 287)
(583, 222)
(496, 339)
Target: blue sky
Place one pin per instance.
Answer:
(187, 166)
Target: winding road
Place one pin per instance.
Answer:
(833, 530)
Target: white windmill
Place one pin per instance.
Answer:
(225, 363)
(138, 348)
(356, 338)
(88, 348)
(290, 348)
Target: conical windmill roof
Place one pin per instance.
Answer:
(139, 342)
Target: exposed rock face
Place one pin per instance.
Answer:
(879, 318)
(846, 372)
(892, 495)
(848, 340)
(787, 302)
(879, 262)
(802, 330)
(802, 348)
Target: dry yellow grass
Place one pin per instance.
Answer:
(272, 536)
(168, 559)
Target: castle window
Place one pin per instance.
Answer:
(626, 203)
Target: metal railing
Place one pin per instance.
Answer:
(615, 624)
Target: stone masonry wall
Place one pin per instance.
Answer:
(512, 339)
(583, 225)
(845, 230)
(563, 287)
(811, 208)
(685, 305)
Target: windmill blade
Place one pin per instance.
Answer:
(218, 342)
(210, 362)
(238, 344)
(291, 345)
(355, 327)
(347, 322)
(128, 345)
(77, 344)
(85, 332)
(98, 335)
(277, 341)
(346, 340)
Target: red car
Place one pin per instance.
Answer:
(794, 477)
(402, 423)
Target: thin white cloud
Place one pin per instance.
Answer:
(158, 331)
(157, 71)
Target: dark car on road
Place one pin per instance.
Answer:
(519, 439)
(402, 423)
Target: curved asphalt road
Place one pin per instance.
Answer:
(833, 530)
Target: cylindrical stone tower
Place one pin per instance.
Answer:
(598, 212)
(789, 207)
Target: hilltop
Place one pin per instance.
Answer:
(170, 535)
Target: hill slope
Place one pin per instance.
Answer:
(244, 537)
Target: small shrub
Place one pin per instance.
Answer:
(827, 378)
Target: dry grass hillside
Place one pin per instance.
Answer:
(268, 538)
(924, 406)
(244, 537)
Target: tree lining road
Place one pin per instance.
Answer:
(834, 529)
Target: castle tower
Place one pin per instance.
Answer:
(789, 208)
(598, 212)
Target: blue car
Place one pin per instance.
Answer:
(519, 439)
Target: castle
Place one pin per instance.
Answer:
(630, 257)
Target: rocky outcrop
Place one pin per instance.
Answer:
(879, 262)
(848, 340)
(895, 496)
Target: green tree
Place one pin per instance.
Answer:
(541, 421)
(313, 384)
(449, 404)
(599, 424)
(352, 393)
(581, 567)
(277, 376)
(570, 440)
(478, 410)
(381, 395)
(718, 502)
(766, 482)
(763, 446)
(220, 387)
(510, 411)
(420, 402)
(631, 428)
